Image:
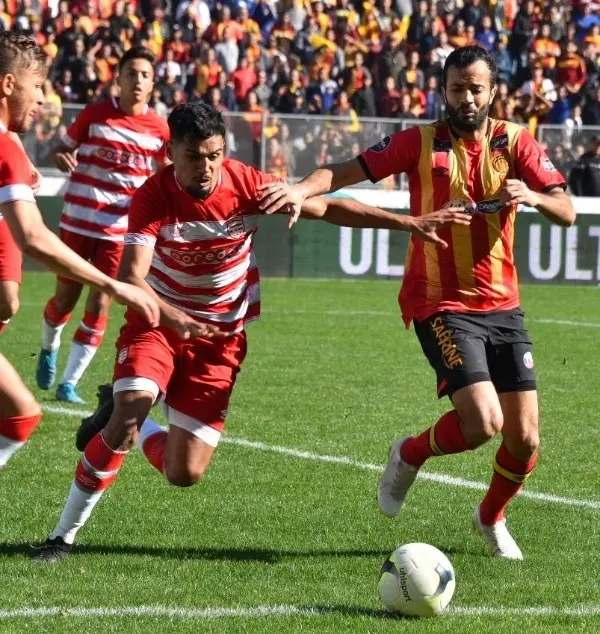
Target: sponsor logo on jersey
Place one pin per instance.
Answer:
(442, 146)
(120, 157)
(489, 206)
(548, 165)
(202, 256)
(483, 207)
(499, 142)
(382, 145)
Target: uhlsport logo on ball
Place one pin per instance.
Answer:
(417, 580)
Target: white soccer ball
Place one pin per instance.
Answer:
(417, 580)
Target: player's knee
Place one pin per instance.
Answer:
(525, 443)
(183, 475)
(9, 307)
(488, 421)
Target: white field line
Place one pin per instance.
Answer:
(350, 462)
(160, 611)
(387, 313)
(390, 313)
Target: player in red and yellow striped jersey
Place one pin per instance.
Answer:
(464, 300)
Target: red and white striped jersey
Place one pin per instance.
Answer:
(203, 262)
(114, 158)
(16, 177)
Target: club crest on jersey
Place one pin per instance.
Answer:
(528, 360)
(122, 355)
(501, 164)
(236, 227)
(381, 145)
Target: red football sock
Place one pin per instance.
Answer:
(445, 437)
(19, 428)
(52, 316)
(91, 330)
(99, 466)
(154, 449)
(509, 476)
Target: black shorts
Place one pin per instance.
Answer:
(467, 348)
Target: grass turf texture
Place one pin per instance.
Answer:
(324, 375)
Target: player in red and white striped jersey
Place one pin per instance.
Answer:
(190, 244)
(117, 143)
(10, 256)
(21, 77)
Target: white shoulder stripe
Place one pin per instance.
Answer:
(140, 239)
(124, 135)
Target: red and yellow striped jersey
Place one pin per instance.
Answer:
(476, 273)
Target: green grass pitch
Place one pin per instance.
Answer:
(330, 372)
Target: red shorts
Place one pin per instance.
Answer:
(105, 255)
(196, 377)
(11, 259)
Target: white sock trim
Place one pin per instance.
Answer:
(51, 335)
(148, 428)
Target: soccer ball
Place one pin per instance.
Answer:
(417, 580)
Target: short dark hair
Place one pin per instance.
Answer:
(137, 52)
(196, 121)
(19, 52)
(465, 56)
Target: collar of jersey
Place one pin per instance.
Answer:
(115, 103)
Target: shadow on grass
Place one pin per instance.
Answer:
(208, 553)
(355, 610)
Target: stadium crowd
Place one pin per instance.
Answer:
(325, 57)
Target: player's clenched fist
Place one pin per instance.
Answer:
(516, 192)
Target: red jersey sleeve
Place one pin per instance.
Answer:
(251, 179)
(15, 172)
(392, 155)
(533, 165)
(161, 156)
(146, 214)
(78, 131)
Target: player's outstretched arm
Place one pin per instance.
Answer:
(347, 212)
(36, 240)
(134, 267)
(275, 197)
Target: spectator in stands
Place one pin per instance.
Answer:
(584, 179)
(570, 68)
(434, 103)
(364, 100)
